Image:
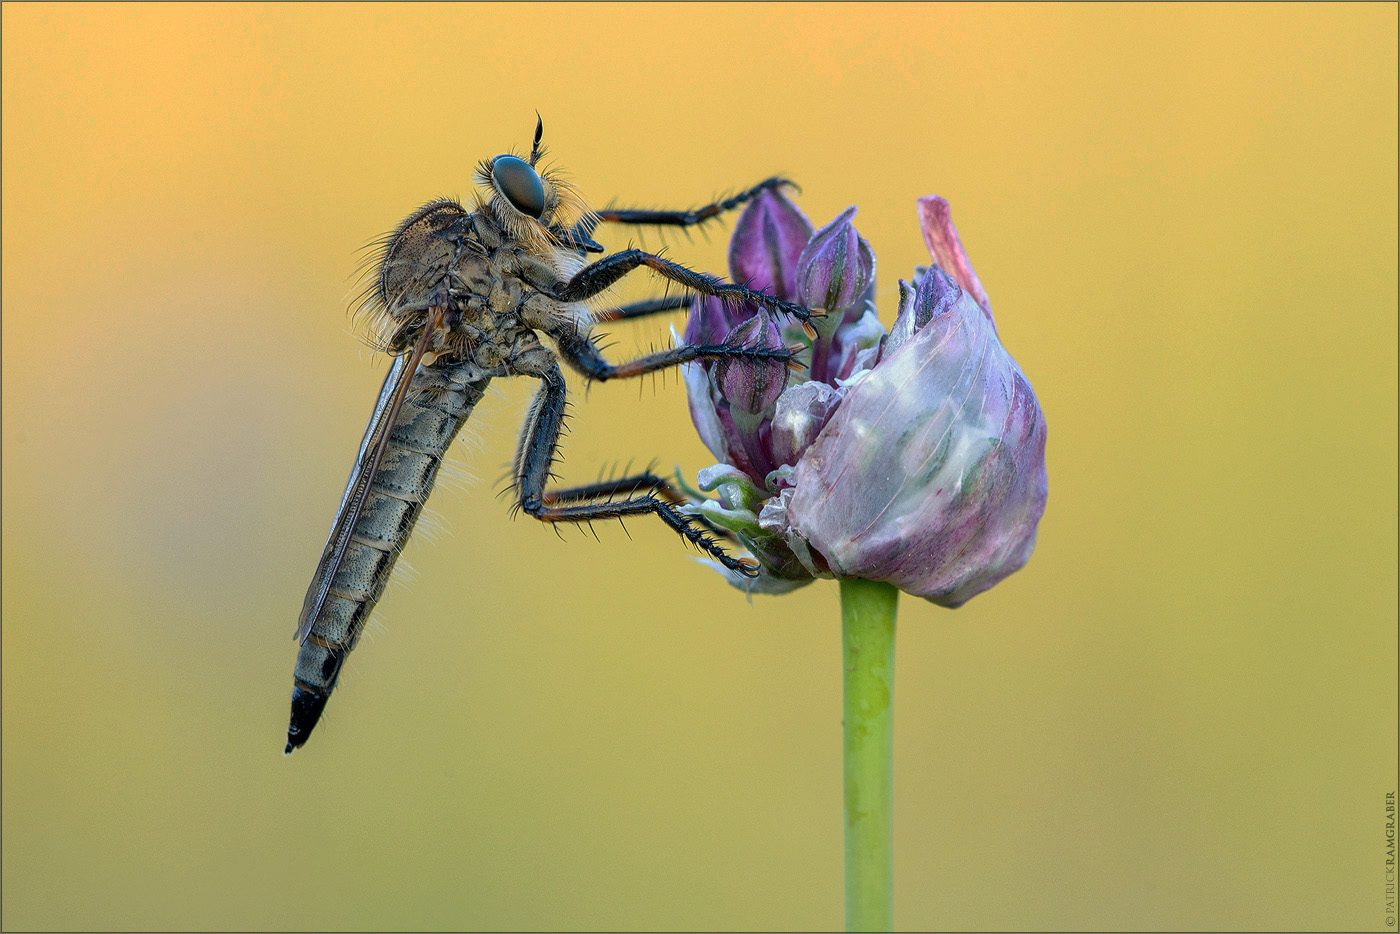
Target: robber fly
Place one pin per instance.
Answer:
(462, 297)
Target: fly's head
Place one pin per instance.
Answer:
(529, 202)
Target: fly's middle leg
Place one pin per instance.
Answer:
(643, 309)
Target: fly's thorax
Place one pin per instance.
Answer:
(419, 251)
(494, 289)
(527, 276)
(539, 260)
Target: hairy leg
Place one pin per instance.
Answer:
(536, 454)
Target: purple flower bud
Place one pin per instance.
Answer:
(933, 296)
(915, 457)
(835, 270)
(749, 384)
(768, 239)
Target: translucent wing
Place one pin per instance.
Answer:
(367, 461)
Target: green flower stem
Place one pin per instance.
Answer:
(867, 638)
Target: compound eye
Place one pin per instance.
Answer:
(518, 182)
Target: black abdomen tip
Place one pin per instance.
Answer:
(306, 710)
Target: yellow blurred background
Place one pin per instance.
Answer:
(1180, 715)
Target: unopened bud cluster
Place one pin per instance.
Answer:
(915, 456)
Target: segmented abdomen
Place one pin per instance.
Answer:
(441, 398)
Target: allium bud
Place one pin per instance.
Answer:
(710, 320)
(915, 457)
(748, 384)
(835, 270)
(768, 239)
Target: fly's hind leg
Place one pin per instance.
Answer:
(653, 484)
(536, 454)
(605, 489)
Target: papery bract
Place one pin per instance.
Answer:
(801, 413)
(945, 246)
(931, 473)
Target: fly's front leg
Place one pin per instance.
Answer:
(595, 277)
(536, 454)
(692, 217)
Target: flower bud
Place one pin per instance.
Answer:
(915, 457)
(932, 295)
(767, 241)
(753, 385)
(834, 272)
(801, 413)
(710, 319)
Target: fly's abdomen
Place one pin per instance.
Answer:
(439, 401)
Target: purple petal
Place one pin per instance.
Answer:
(702, 410)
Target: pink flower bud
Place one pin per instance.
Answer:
(931, 473)
(835, 270)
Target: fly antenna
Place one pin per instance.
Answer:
(539, 131)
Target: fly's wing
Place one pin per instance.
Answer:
(357, 489)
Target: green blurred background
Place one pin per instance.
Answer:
(1180, 715)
